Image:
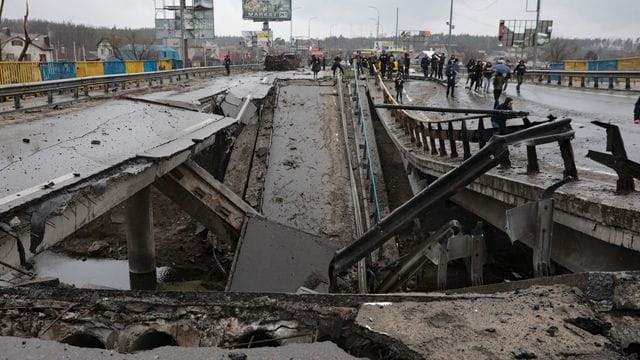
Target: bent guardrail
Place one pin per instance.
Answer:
(493, 154)
(584, 77)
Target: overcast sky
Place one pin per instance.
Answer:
(572, 18)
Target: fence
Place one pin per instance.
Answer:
(19, 72)
(26, 72)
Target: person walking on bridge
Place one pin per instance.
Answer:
(399, 86)
(384, 60)
(520, 69)
(227, 64)
(434, 65)
(452, 71)
(336, 65)
(407, 65)
(470, 65)
(487, 76)
(424, 63)
(498, 85)
(441, 60)
(636, 112)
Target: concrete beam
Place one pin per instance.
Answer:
(205, 198)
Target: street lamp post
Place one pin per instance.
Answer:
(291, 26)
(450, 28)
(377, 23)
(309, 28)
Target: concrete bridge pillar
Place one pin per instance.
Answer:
(141, 246)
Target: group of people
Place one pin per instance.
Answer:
(433, 66)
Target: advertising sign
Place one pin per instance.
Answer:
(522, 33)
(266, 10)
(263, 39)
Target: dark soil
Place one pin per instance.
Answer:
(177, 244)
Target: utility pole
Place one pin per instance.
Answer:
(397, 14)
(450, 29)
(185, 45)
(535, 36)
(377, 23)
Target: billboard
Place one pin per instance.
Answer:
(522, 33)
(266, 10)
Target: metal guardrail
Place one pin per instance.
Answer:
(559, 76)
(107, 82)
(370, 160)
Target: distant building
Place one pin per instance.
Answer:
(105, 50)
(12, 45)
(145, 52)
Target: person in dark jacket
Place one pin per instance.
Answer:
(520, 70)
(434, 65)
(384, 60)
(499, 122)
(478, 70)
(441, 60)
(407, 65)
(336, 65)
(636, 112)
(470, 65)
(498, 83)
(424, 63)
(399, 86)
(315, 66)
(227, 64)
(487, 73)
(452, 71)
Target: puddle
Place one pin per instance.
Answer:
(89, 273)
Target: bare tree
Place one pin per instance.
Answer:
(560, 50)
(27, 39)
(1, 8)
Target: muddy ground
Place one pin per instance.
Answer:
(177, 244)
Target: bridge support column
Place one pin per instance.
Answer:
(141, 247)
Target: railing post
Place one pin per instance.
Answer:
(86, 91)
(627, 83)
(570, 81)
(452, 142)
(532, 160)
(16, 102)
(465, 141)
(549, 79)
(425, 136)
(75, 93)
(443, 149)
(481, 140)
(610, 83)
(566, 150)
(559, 80)
(49, 97)
(106, 88)
(432, 140)
(596, 82)
(416, 134)
(582, 81)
